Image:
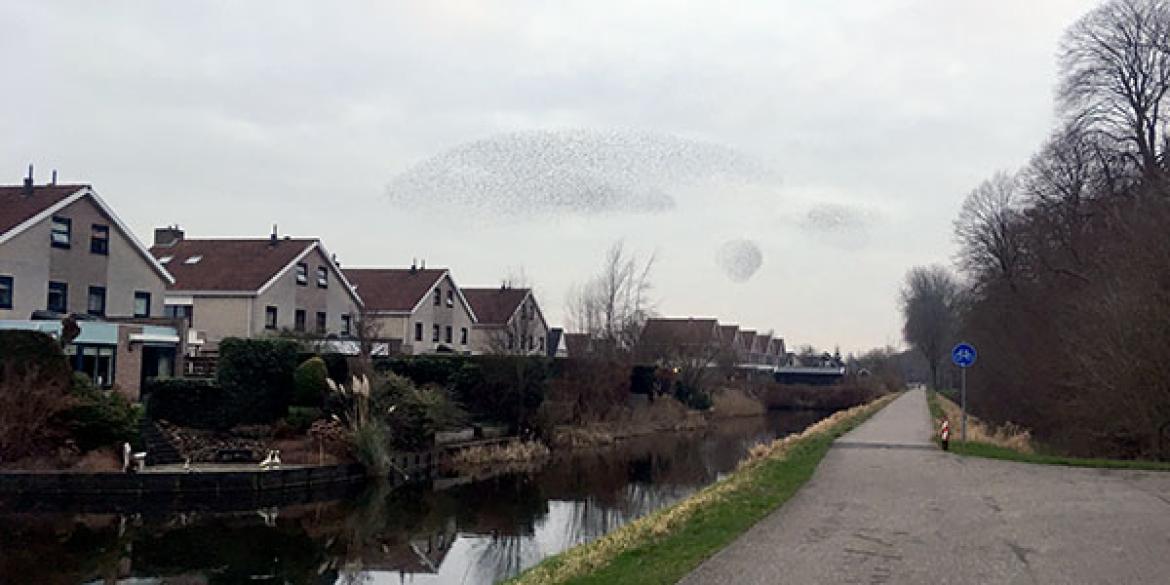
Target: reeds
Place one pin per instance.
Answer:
(1009, 435)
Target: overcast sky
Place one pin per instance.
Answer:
(876, 116)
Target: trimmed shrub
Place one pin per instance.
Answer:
(311, 385)
(300, 418)
(188, 402)
(691, 396)
(100, 419)
(643, 379)
(257, 378)
(23, 350)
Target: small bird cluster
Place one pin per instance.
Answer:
(739, 259)
(584, 172)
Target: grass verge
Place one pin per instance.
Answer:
(985, 444)
(664, 546)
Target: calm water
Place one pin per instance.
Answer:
(453, 530)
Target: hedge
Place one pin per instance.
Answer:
(22, 349)
(257, 378)
(189, 402)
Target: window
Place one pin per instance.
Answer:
(418, 328)
(322, 322)
(299, 320)
(451, 298)
(58, 297)
(346, 323)
(302, 274)
(96, 362)
(447, 335)
(531, 343)
(99, 239)
(511, 341)
(96, 305)
(541, 339)
(61, 232)
(165, 259)
(435, 333)
(141, 304)
(463, 336)
(184, 312)
(438, 297)
(270, 317)
(5, 292)
(322, 277)
(193, 259)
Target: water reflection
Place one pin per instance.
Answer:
(473, 529)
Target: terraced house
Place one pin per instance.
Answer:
(63, 251)
(253, 287)
(508, 321)
(415, 310)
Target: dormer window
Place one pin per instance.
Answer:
(61, 232)
(302, 274)
(322, 277)
(193, 259)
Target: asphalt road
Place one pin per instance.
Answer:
(885, 506)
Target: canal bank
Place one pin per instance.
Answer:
(456, 528)
(664, 546)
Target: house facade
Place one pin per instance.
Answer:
(415, 310)
(255, 287)
(676, 340)
(64, 252)
(508, 320)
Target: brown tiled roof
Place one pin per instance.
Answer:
(393, 289)
(494, 306)
(727, 333)
(17, 208)
(228, 264)
(675, 331)
(748, 338)
(577, 344)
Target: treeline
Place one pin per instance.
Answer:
(1066, 262)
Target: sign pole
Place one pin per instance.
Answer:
(963, 399)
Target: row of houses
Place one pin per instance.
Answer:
(144, 310)
(667, 339)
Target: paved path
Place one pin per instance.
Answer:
(886, 507)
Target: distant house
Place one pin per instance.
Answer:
(670, 340)
(63, 251)
(253, 287)
(729, 335)
(777, 352)
(763, 341)
(747, 338)
(557, 346)
(415, 310)
(508, 320)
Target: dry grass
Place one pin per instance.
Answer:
(1008, 436)
(515, 452)
(584, 559)
(731, 402)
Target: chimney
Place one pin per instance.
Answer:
(54, 181)
(168, 236)
(423, 264)
(28, 181)
(413, 265)
(272, 238)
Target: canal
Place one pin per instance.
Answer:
(476, 528)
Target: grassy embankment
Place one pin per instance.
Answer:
(664, 546)
(1013, 443)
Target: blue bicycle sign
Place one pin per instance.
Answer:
(963, 355)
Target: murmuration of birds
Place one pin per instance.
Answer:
(739, 259)
(581, 172)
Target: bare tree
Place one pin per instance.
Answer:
(612, 306)
(367, 329)
(1115, 65)
(987, 229)
(930, 305)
